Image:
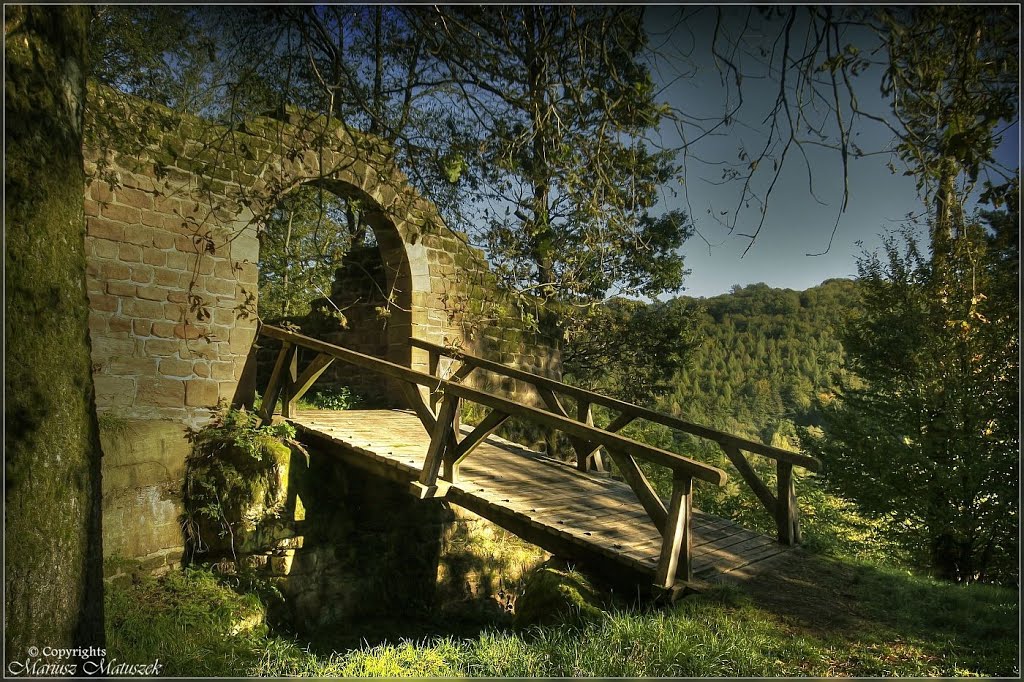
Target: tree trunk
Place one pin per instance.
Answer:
(53, 562)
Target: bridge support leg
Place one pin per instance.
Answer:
(675, 545)
(787, 516)
(441, 440)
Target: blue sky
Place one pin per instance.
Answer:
(795, 224)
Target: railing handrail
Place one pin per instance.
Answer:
(678, 463)
(778, 454)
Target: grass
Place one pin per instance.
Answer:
(856, 619)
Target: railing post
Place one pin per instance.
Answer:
(675, 545)
(587, 455)
(440, 443)
(434, 369)
(451, 460)
(787, 514)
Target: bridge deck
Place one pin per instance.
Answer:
(544, 501)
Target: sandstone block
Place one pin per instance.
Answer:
(166, 277)
(140, 235)
(129, 253)
(154, 257)
(201, 393)
(162, 347)
(153, 310)
(113, 391)
(152, 293)
(119, 324)
(142, 274)
(160, 391)
(103, 302)
(104, 248)
(175, 367)
(132, 366)
(104, 229)
(122, 214)
(164, 330)
(135, 198)
(163, 240)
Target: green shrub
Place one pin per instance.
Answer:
(235, 476)
(334, 398)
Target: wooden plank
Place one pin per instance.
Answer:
(649, 500)
(276, 377)
(750, 476)
(433, 366)
(796, 458)
(570, 426)
(788, 513)
(314, 370)
(595, 517)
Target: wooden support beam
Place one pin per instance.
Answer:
(461, 373)
(314, 370)
(750, 476)
(788, 513)
(412, 396)
(617, 424)
(274, 385)
(486, 427)
(649, 499)
(675, 546)
(291, 375)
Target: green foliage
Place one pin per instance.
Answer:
(335, 398)
(954, 79)
(765, 355)
(302, 243)
(235, 475)
(158, 52)
(629, 349)
(561, 99)
(926, 434)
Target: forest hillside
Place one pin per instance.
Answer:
(763, 355)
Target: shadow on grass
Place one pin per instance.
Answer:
(863, 604)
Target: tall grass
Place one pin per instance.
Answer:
(197, 626)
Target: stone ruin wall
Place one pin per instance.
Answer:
(172, 206)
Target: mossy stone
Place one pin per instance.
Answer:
(554, 596)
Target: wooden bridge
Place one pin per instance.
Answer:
(619, 527)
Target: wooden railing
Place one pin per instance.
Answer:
(782, 507)
(448, 449)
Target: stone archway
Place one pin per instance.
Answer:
(172, 205)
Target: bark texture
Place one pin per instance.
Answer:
(53, 548)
